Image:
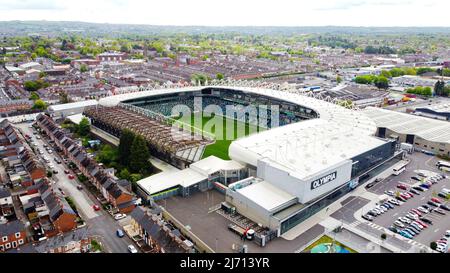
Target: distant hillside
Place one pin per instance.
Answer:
(12, 28)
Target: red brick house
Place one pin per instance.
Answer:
(12, 235)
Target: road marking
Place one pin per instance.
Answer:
(395, 214)
(436, 230)
(423, 198)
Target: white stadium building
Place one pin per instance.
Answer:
(278, 177)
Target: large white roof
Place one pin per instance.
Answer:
(169, 179)
(266, 195)
(73, 105)
(402, 123)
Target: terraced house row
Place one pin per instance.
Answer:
(116, 192)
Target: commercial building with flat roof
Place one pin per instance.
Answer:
(424, 133)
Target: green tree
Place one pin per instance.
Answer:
(433, 245)
(84, 127)
(219, 76)
(125, 174)
(139, 155)
(439, 88)
(386, 74)
(126, 141)
(34, 96)
(83, 68)
(40, 105)
(31, 86)
(382, 82)
(338, 79)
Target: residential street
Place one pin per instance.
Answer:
(100, 224)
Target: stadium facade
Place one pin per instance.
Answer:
(278, 177)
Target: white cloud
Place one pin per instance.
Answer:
(234, 12)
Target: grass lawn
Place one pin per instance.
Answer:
(217, 126)
(325, 239)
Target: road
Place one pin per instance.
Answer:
(100, 224)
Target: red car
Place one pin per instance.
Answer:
(71, 176)
(405, 196)
(96, 207)
(401, 186)
(418, 213)
(436, 200)
(422, 223)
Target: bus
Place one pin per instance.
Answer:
(443, 164)
(399, 169)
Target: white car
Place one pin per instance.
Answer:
(422, 209)
(390, 193)
(132, 249)
(447, 233)
(119, 216)
(399, 224)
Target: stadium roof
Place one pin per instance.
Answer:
(326, 110)
(402, 123)
(73, 105)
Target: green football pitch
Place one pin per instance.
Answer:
(224, 130)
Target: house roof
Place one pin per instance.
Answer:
(11, 228)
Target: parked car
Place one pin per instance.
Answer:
(444, 207)
(96, 207)
(422, 209)
(132, 249)
(416, 178)
(399, 224)
(66, 171)
(393, 229)
(119, 233)
(440, 211)
(119, 216)
(405, 234)
(426, 220)
(417, 188)
(414, 191)
(79, 187)
(390, 193)
(402, 186)
(367, 217)
(436, 200)
(71, 176)
(431, 203)
(425, 186)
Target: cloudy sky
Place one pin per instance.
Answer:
(234, 12)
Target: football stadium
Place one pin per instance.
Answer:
(277, 156)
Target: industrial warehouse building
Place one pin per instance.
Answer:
(439, 111)
(424, 133)
(281, 176)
